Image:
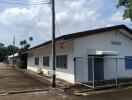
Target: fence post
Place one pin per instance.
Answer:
(74, 59)
(116, 72)
(93, 71)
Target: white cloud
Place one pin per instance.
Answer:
(75, 3)
(117, 17)
(23, 21)
(108, 25)
(72, 16)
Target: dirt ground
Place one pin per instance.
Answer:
(57, 95)
(14, 80)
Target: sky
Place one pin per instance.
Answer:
(23, 21)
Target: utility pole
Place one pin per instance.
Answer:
(53, 45)
(13, 51)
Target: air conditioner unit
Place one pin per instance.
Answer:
(39, 70)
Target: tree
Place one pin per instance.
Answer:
(23, 56)
(128, 8)
(21, 43)
(6, 51)
(30, 39)
(10, 49)
(27, 46)
(24, 42)
(24, 46)
(3, 53)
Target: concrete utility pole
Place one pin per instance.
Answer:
(13, 51)
(53, 45)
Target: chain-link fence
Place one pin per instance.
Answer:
(99, 71)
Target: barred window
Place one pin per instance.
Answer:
(36, 61)
(46, 61)
(61, 61)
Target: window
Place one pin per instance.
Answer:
(46, 61)
(36, 60)
(61, 61)
(128, 62)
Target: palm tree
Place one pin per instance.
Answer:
(27, 46)
(21, 43)
(30, 39)
(24, 42)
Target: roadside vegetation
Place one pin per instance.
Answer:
(127, 6)
(25, 45)
(6, 51)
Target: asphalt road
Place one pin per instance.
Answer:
(14, 80)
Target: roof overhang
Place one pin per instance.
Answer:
(11, 56)
(126, 33)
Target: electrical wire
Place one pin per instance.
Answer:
(24, 3)
(27, 1)
(37, 16)
(57, 25)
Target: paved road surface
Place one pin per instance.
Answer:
(14, 80)
(51, 95)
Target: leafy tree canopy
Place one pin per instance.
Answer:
(6, 51)
(128, 8)
(24, 45)
(30, 38)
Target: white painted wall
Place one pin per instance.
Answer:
(103, 42)
(65, 74)
(80, 47)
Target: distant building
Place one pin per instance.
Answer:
(10, 58)
(1, 45)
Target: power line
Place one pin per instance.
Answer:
(37, 16)
(24, 3)
(57, 25)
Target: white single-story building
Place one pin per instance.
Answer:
(114, 41)
(10, 58)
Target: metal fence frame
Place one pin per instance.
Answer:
(93, 67)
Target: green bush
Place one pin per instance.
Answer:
(19, 64)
